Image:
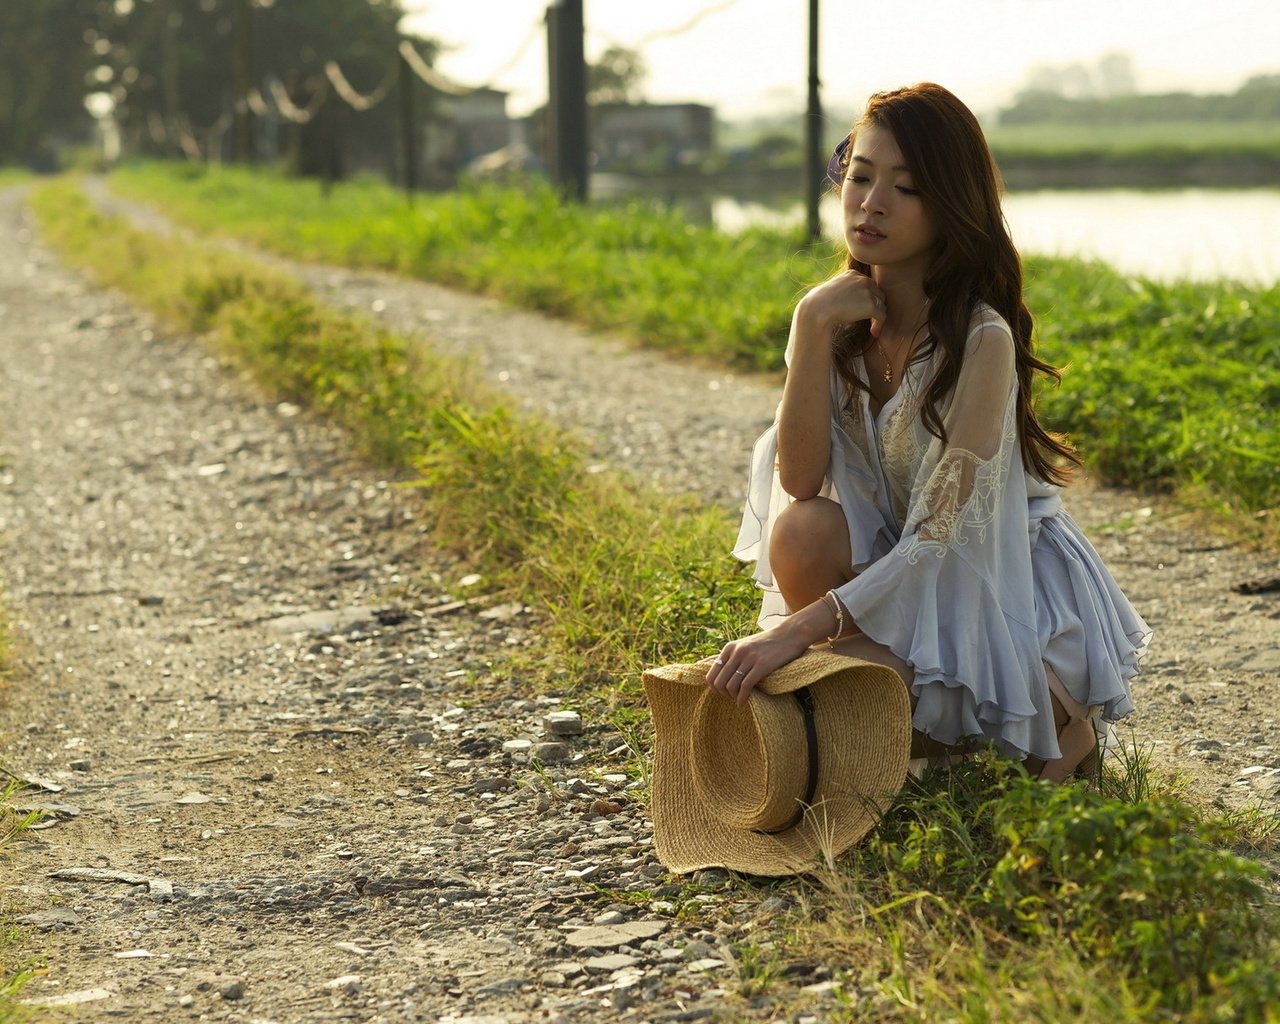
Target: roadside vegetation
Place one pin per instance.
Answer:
(1167, 386)
(984, 896)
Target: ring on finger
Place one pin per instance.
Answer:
(741, 672)
(720, 662)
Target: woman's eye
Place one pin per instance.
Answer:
(857, 179)
(907, 190)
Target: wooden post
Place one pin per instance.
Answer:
(814, 162)
(567, 103)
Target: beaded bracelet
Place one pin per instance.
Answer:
(837, 609)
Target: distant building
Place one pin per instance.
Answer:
(624, 133)
(463, 128)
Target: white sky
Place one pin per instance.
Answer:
(747, 55)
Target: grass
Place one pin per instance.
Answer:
(985, 896)
(1172, 387)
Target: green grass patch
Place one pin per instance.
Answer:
(13, 176)
(1169, 386)
(1077, 899)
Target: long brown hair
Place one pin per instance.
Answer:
(973, 260)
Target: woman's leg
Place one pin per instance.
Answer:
(809, 555)
(1077, 741)
(809, 551)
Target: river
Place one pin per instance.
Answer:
(1186, 233)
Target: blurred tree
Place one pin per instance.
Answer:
(1117, 75)
(48, 52)
(178, 70)
(617, 77)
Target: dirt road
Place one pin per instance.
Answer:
(280, 745)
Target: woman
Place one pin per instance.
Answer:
(905, 505)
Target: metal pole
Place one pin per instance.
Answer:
(814, 164)
(567, 106)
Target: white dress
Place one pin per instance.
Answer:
(968, 567)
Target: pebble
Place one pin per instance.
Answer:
(610, 936)
(80, 764)
(609, 963)
(564, 723)
(231, 990)
(550, 752)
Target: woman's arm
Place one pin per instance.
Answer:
(743, 663)
(804, 418)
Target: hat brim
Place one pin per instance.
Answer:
(863, 718)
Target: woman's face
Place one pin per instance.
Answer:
(885, 221)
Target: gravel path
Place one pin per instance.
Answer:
(271, 722)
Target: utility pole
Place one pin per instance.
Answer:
(567, 103)
(814, 163)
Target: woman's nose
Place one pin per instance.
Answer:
(873, 201)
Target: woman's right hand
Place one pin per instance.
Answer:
(844, 299)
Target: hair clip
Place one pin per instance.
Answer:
(835, 166)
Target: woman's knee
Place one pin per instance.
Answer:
(808, 533)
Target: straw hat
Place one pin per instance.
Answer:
(755, 789)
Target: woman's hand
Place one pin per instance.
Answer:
(743, 663)
(844, 299)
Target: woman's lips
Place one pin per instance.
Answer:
(867, 235)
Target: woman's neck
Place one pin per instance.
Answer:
(906, 306)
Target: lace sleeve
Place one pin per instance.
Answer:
(957, 492)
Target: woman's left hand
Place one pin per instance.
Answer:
(743, 663)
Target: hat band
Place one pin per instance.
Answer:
(805, 700)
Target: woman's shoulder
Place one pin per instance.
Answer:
(986, 317)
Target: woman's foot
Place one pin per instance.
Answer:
(1078, 744)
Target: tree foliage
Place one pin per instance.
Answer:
(175, 69)
(1257, 100)
(617, 77)
(47, 58)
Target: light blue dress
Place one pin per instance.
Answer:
(968, 567)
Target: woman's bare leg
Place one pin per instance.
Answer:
(1076, 737)
(809, 555)
(809, 551)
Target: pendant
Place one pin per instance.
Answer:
(888, 374)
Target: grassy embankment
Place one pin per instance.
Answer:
(1161, 154)
(1169, 387)
(985, 896)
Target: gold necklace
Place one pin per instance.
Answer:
(888, 366)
